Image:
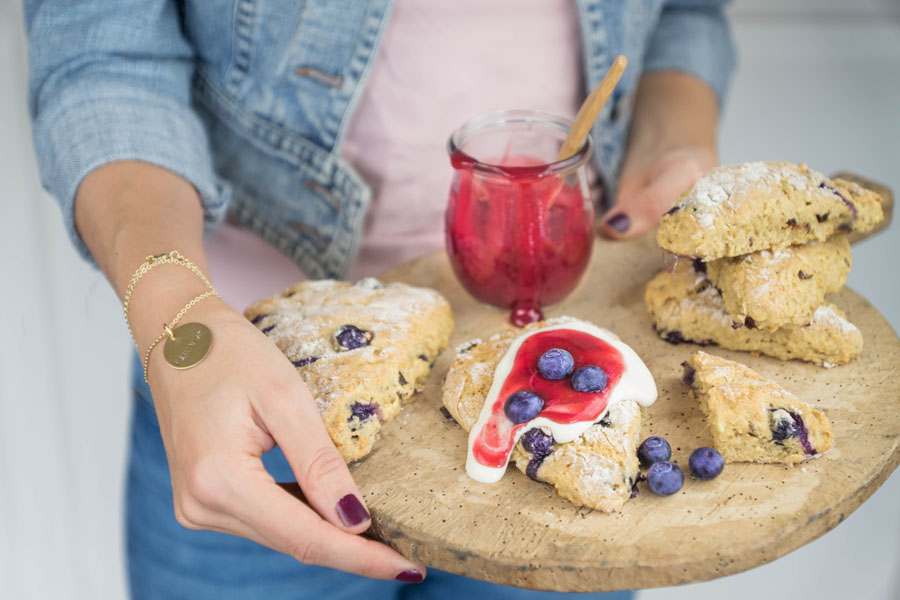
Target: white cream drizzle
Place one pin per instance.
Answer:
(636, 384)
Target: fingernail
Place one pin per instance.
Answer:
(411, 576)
(351, 511)
(620, 222)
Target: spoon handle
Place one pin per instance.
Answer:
(589, 110)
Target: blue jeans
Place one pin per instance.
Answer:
(168, 562)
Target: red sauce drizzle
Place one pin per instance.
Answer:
(562, 404)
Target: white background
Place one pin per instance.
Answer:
(819, 81)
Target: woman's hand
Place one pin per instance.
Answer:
(648, 186)
(671, 144)
(219, 417)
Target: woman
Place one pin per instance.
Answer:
(318, 127)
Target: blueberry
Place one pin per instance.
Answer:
(363, 410)
(305, 361)
(255, 320)
(589, 379)
(665, 478)
(782, 424)
(536, 441)
(351, 337)
(689, 373)
(706, 463)
(675, 337)
(785, 424)
(699, 265)
(653, 450)
(266, 330)
(447, 414)
(533, 465)
(555, 363)
(634, 485)
(834, 190)
(523, 406)
(540, 445)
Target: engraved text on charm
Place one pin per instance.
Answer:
(189, 346)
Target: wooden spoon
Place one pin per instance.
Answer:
(589, 110)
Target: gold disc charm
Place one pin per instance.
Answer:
(188, 345)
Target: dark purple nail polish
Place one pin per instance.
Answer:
(620, 222)
(411, 576)
(351, 511)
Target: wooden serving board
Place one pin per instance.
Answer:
(519, 532)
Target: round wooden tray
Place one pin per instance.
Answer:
(519, 532)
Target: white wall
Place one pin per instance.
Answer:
(63, 365)
(819, 82)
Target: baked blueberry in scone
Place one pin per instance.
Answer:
(362, 349)
(751, 418)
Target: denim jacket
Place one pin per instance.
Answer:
(249, 100)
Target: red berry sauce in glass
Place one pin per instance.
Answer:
(520, 237)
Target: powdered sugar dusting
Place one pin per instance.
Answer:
(826, 315)
(370, 283)
(595, 470)
(709, 302)
(466, 346)
(721, 185)
(480, 371)
(619, 417)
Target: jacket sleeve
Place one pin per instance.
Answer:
(110, 81)
(693, 36)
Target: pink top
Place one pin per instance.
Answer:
(441, 63)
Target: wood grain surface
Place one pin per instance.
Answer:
(519, 532)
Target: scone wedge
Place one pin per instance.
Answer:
(686, 307)
(362, 349)
(597, 470)
(754, 419)
(771, 289)
(738, 209)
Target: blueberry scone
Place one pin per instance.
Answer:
(738, 209)
(362, 349)
(777, 288)
(751, 418)
(598, 469)
(686, 307)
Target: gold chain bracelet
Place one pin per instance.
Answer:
(187, 345)
(154, 260)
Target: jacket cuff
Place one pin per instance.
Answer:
(696, 41)
(93, 124)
